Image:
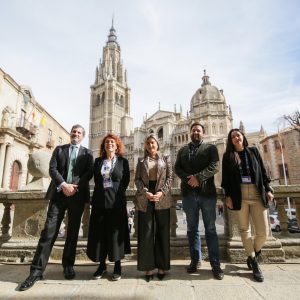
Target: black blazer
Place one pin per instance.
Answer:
(58, 170)
(112, 197)
(231, 178)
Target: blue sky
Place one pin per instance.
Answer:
(250, 49)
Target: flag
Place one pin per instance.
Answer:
(34, 115)
(43, 121)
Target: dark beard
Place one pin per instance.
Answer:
(195, 141)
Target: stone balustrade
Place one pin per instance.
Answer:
(25, 212)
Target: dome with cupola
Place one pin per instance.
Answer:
(207, 93)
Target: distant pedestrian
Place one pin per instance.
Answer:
(130, 223)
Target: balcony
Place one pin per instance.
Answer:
(26, 128)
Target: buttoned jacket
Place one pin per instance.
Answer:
(82, 172)
(164, 180)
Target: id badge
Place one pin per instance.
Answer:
(246, 179)
(107, 183)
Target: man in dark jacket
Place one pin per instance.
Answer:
(196, 164)
(71, 168)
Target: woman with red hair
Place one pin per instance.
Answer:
(108, 230)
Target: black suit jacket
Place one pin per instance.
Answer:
(231, 178)
(58, 170)
(111, 197)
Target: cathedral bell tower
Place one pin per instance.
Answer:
(110, 96)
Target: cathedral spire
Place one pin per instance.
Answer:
(112, 37)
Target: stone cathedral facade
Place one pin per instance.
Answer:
(110, 113)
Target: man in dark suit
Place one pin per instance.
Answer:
(71, 168)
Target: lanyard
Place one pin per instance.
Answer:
(247, 165)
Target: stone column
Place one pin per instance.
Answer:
(6, 172)
(6, 222)
(282, 216)
(2, 157)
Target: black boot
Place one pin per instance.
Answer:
(117, 271)
(257, 253)
(257, 273)
(258, 256)
(249, 263)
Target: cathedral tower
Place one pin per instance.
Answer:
(110, 96)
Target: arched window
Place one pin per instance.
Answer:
(221, 129)
(151, 131)
(122, 101)
(98, 100)
(103, 97)
(160, 133)
(214, 131)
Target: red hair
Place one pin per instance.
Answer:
(120, 147)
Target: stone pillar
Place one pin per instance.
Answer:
(2, 157)
(235, 249)
(282, 216)
(6, 172)
(6, 222)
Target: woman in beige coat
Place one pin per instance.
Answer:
(153, 180)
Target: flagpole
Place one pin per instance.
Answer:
(284, 174)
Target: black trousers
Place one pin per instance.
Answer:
(55, 216)
(153, 239)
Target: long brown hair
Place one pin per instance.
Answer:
(230, 150)
(120, 147)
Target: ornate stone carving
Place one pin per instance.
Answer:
(38, 165)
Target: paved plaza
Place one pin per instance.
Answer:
(282, 281)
